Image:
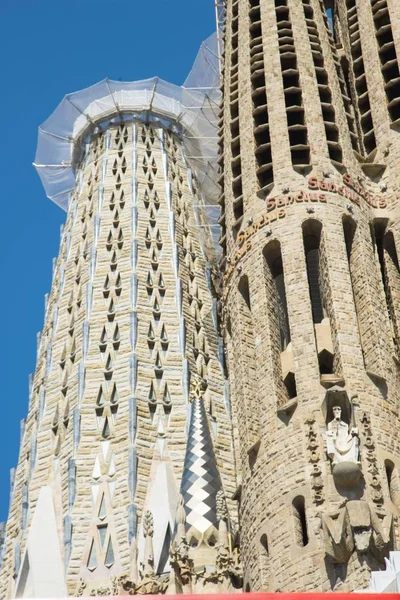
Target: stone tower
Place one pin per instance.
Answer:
(309, 155)
(125, 477)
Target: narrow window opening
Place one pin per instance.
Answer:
(253, 454)
(311, 239)
(390, 273)
(329, 14)
(279, 281)
(312, 258)
(290, 385)
(300, 523)
(244, 291)
(349, 231)
(389, 468)
(280, 330)
(264, 543)
(273, 257)
(377, 233)
(317, 282)
(248, 362)
(325, 361)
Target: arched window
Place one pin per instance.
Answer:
(349, 232)
(300, 521)
(245, 293)
(318, 286)
(392, 276)
(273, 257)
(390, 273)
(278, 313)
(312, 240)
(248, 361)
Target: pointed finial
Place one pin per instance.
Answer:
(148, 524)
(148, 532)
(197, 387)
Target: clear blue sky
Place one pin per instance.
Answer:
(47, 49)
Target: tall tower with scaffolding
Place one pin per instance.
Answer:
(125, 476)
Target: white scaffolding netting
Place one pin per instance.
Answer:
(191, 110)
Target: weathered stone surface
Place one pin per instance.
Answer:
(127, 327)
(307, 173)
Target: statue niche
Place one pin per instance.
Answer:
(341, 437)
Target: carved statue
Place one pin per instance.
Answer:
(341, 440)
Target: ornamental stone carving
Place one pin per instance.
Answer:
(84, 589)
(356, 527)
(314, 457)
(372, 471)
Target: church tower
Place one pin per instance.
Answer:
(309, 155)
(125, 478)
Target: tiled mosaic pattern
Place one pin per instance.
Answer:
(201, 480)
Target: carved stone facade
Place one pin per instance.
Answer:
(128, 430)
(309, 156)
(135, 459)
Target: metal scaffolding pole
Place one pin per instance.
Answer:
(220, 11)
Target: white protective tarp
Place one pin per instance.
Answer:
(192, 109)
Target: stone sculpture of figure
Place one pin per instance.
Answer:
(341, 440)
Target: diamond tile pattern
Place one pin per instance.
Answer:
(201, 480)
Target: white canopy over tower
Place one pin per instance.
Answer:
(191, 111)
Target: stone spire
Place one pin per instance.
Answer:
(128, 322)
(201, 553)
(201, 481)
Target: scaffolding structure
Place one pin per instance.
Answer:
(190, 110)
(220, 15)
